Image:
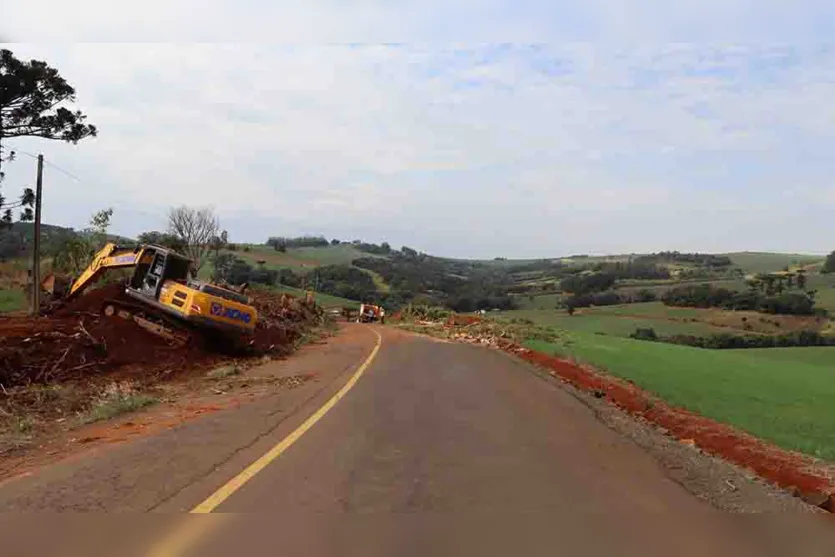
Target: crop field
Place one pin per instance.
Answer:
(341, 254)
(302, 260)
(781, 395)
(614, 325)
(816, 355)
(753, 262)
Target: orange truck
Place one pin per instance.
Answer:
(370, 313)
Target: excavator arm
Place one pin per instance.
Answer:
(110, 256)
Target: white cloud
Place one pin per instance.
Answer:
(493, 148)
(428, 21)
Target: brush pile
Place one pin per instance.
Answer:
(76, 341)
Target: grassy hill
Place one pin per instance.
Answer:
(765, 262)
(301, 260)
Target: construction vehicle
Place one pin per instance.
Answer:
(162, 297)
(370, 313)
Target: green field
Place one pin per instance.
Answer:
(301, 260)
(781, 395)
(544, 301)
(816, 355)
(614, 325)
(650, 309)
(755, 262)
(341, 254)
(12, 299)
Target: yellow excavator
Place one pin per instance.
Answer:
(161, 295)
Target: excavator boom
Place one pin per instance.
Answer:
(110, 256)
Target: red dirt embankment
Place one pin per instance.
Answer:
(787, 469)
(76, 341)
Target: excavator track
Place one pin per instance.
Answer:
(176, 332)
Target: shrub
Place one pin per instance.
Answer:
(705, 296)
(644, 334)
(609, 298)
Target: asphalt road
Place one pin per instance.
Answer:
(439, 449)
(448, 449)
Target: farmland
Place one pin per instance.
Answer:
(622, 320)
(301, 260)
(615, 325)
(781, 395)
(754, 262)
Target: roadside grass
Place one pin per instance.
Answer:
(223, 372)
(12, 299)
(116, 399)
(785, 399)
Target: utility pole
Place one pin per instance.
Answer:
(36, 251)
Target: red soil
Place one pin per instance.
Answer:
(785, 468)
(76, 341)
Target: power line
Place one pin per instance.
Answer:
(53, 165)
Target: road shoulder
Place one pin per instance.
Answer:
(175, 447)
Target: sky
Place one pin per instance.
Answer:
(468, 129)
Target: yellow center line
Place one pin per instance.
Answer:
(182, 537)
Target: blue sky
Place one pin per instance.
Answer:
(488, 129)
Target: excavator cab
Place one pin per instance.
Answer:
(156, 265)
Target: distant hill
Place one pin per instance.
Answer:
(17, 241)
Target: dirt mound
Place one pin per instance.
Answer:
(282, 320)
(58, 349)
(92, 300)
(77, 342)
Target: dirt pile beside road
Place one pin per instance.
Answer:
(282, 321)
(58, 349)
(78, 342)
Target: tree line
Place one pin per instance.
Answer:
(729, 341)
(698, 259)
(707, 296)
(282, 243)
